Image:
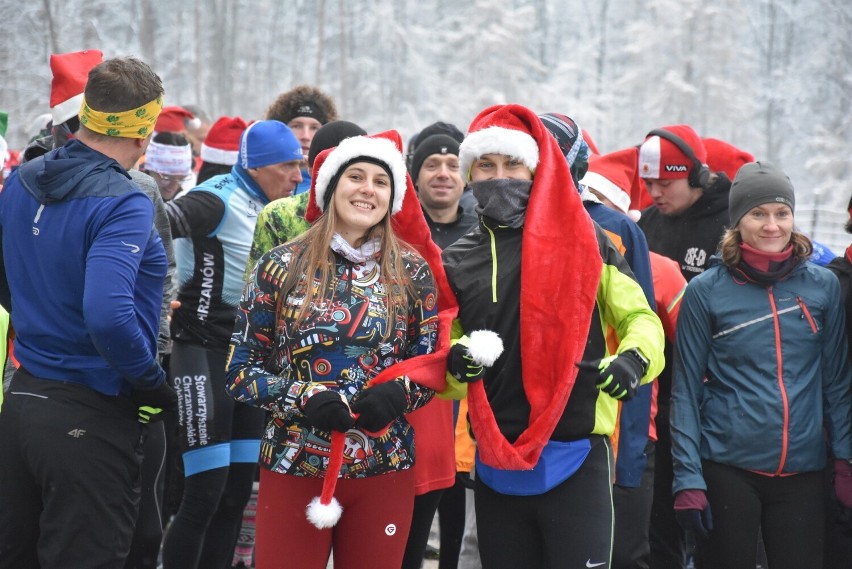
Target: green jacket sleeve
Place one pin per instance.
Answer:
(623, 306)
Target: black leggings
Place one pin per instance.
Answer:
(148, 534)
(569, 526)
(788, 509)
(421, 523)
(205, 531)
(220, 440)
(451, 522)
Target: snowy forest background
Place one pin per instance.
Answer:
(773, 77)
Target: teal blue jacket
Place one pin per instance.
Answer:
(758, 372)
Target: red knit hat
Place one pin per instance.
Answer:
(724, 157)
(173, 119)
(660, 158)
(560, 266)
(410, 226)
(70, 75)
(222, 143)
(611, 175)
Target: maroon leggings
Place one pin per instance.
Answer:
(371, 533)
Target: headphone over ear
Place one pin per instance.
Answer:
(699, 174)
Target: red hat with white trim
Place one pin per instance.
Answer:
(409, 224)
(560, 265)
(222, 143)
(661, 159)
(175, 119)
(70, 75)
(611, 175)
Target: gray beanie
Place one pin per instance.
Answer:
(757, 183)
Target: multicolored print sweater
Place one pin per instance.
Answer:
(342, 343)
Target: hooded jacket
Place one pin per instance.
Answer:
(82, 271)
(691, 237)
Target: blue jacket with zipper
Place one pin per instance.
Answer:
(82, 271)
(758, 372)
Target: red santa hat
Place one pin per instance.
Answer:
(175, 119)
(70, 74)
(409, 225)
(725, 157)
(222, 143)
(593, 148)
(660, 158)
(611, 175)
(560, 266)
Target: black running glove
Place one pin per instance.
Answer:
(461, 366)
(619, 375)
(327, 411)
(377, 406)
(152, 404)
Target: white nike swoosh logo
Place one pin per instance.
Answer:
(133, 248)
(590, 564)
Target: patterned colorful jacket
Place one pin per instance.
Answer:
(341, 345)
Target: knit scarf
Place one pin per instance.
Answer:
(766, 268)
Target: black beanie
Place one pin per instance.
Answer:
(435, 144)
(330, 135)
(757, 183)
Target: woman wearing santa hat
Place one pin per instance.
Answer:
(337, 336)
(543, 276)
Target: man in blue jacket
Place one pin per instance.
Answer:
(81, 272)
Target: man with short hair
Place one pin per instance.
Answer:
(213, 226)
(82, 274)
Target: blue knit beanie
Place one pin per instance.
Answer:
(268, 142)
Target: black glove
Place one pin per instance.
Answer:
(379, 405)
(152, 404)
(699, 522)
(619, 375)
(693, 513)
(327, 411)
(461, 366)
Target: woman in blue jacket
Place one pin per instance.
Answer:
(761, 367)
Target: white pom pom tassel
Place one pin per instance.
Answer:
(485, 347)
(324, 515)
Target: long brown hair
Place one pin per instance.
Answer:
(313, 261)
(731, 253)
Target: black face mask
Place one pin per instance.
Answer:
(504, 200)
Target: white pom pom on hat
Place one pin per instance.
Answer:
(485, 347)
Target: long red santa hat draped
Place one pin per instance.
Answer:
(560, 271)
(410, 226)
(725, 157)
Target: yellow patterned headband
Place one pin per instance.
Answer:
(135, 123)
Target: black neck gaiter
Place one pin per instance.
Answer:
(504, 200)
